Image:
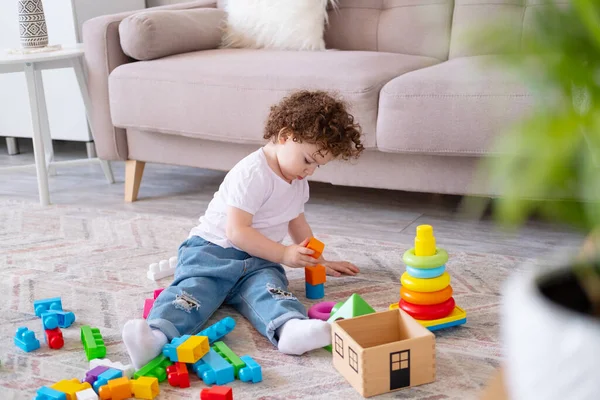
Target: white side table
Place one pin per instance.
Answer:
(32, 65)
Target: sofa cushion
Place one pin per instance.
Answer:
(226, 94)
(456, 107)
(153, 34)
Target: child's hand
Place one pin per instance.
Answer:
(339, 268)
(298, 256)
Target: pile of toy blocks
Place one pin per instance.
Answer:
(315, 277)
(205, 354)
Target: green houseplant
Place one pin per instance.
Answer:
(548, 165)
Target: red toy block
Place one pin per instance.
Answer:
(315, 275)
(157, 292)
(217, 393)
(54, 338)
(178, 375)
(148, 303)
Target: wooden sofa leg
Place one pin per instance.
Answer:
(133, 177)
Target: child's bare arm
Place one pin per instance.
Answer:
(240, 232)
(299, 229)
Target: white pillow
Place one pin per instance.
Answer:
(275, 24)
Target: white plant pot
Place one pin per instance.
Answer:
(551, 352)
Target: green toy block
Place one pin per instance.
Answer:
(156, 368)
(224, 351)
(355, 306)
(93, 344)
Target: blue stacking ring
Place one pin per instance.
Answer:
(425, 273)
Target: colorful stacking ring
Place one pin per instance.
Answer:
(425, 262)
(425, 273)
(321, 310)
(434, 311)
(426, 298)
(425, 285)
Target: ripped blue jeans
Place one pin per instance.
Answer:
(209, 275)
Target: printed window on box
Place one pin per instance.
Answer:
(353, 359)
(339, 345)
(400, 360)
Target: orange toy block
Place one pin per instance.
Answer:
(315, 275)
(70, 387)
(178, 375)
(145, 387)
(116, 389)
(217, 393)
(317, 246)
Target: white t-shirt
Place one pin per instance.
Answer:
(252, 186)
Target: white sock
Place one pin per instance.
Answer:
(143, 343)
(297, 336)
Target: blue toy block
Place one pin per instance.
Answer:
(46, 393)
(170, 349)
(45, 305)
(252, 372)
(213, 369)
(57, 319)
(106, 376)
(219, 329)
(25, 339)
(315, 292)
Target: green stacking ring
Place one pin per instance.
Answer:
(425, 262)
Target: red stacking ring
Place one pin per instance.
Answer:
(429, 312)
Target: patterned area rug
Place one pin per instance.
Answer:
(97, 260)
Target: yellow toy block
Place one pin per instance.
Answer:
(70, 387)
(424, 241)
(145, 387)
(317, 246)
(116, 389)
(193, 349)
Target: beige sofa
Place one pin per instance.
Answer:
(428, 105)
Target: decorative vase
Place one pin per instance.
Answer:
(551, 346)
(32, 24)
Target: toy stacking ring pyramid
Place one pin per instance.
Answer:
(426, 293)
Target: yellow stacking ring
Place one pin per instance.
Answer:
(426, 299)
(425, 285)
(425, 262)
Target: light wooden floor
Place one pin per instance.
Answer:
(356, 212)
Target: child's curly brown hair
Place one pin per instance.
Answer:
(316, 117)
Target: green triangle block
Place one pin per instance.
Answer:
(355, 306)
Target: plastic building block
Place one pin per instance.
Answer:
(355, 306)
(217, 393)
(127, 369)
(252, 372)
(148, 303)
(228, 355)
(317, 246)
(162, 269)
(92, 343)
(107, 376)
(458, 316)
(157, 292)
(212, 368)
(42, 306)
(54, 338)
(315, 275)
(47, 393)
(70, 387)
(315, 292)
(92, 375)
(321, 310)
(116, 389)
(193, 349)
(57, 319)
(218, 330)
(156, 368)
(428, 312)
(177, 375)
(425, 285)
(25, 339)
(145, 387)
(87, 394)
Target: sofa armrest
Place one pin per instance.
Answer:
(103, 53)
